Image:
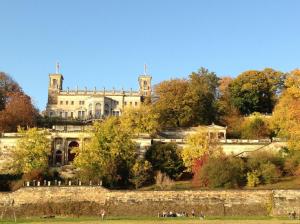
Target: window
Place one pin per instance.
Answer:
(67, 102)
(72, 102)
(82, 114)
(66, 114)
(71, 114)
(125, 103)
(60, 114)
(130, 103)
(145, 83)
(61, 102)
(79, 114)
(51, 114)
(135, 103)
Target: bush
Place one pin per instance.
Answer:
(253, 179)
(141, 173)
(292, 162)
(269, 173)
(225, 172)
(165, 158)
(255, 127)
(163, 181)
(268, 166)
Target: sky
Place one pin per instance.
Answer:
(106, 43)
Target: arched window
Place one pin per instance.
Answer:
(90, 110)
(98, 110)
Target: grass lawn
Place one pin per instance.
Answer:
(283, 183)
(151, 220)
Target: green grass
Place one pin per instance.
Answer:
(152, 220)
(283, 183)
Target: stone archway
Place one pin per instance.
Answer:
(71, 155)
(58, 157)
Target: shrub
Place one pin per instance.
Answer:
(165, 158)
(225, 172)
(255, 127)
(269, 173)
(253, 179)
(292, 162)
(141, 173)
(163, 181)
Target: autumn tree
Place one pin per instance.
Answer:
(286, 116)
(16, 108)
(7, 86)
(256, 91)
(171, 106)
(198, 145)
(188, 102)
(228, 114)
(142, 119)
(141, 173)
(256, 126)
(109, 155)
(32, 151)
(18, 111)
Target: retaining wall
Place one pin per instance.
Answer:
(89, 200)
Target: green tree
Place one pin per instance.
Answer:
(32, 151)
(141, 173)
(198, 145)
(109, 155)
(201, 97)
(255, 91)
(165, 158)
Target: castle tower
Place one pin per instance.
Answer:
(145, 83)
(55, 85)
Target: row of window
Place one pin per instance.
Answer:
(131, 103)
(82, 114)
(82, 103)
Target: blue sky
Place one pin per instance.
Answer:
(106, 43)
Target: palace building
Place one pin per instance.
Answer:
(92, 104)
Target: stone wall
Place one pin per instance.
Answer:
(83, 200)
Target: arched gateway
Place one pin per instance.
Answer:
(71, 155)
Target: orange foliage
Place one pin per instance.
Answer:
(18, 111)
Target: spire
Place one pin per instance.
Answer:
(145, 69)
(57, 67)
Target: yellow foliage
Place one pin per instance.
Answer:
(198, 145)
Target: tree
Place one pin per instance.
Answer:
(255, 127)
(228, 114)
(286, 116)
(32, 151)
(198, 145)
(189, 102)
(141, 173)
(165, 158)
(18, 111)
(201, 96)
(170, 105)
(140, 120)
(7, 86)
(255, 91)
(109, 155)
